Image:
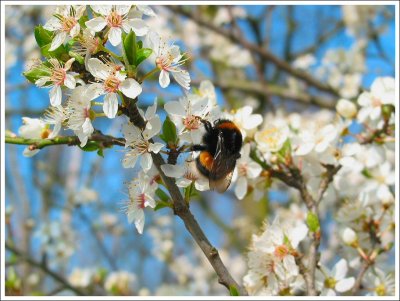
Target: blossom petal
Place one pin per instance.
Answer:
(122, 9)
(103, 10)
(137, 25)
(114, 36)
(96, 24)
(146, 161)
(344, 285)
(130, 159)
(53, 24)
(290, 265)
(130, 88)
(182, 77)
(98, 69)
(87, 127)
(175, 108)
(153, 126)
(241, 188)
(164, 79)
(155, 147)
(69, 81)
(147, 10)
(55, 96)
(58, 40)
(30, 153)
(173, 171)
(75, 30)
(151, 111)
(110, 105)
(136, 216)
(340, 269)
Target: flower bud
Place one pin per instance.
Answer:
(349, 236)
(346, 108)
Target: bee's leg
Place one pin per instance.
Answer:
(207, 125)
(198, 147)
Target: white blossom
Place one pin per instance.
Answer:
(57, 77)
(65, 22)
(335, 280)
(115, 17)
(111, 81)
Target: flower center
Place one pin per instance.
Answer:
(58, 76)
(242, 169)
(191, 122)
(141, 146)
(330, 282)
(114, 19)
(376, 102)
(141, 198)
(45, 133)
(380, 290)
(111, 84)
(270, 137)
(281, 251)
(68, 23)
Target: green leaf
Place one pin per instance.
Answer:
(312, 221)
(91, 146)
(169, 132)
(142, 54)
(161, 205)
(77, 57)
(162, 195)
(129, 46)
(233, 291)
(100, 152)
(286, 148)
(42, 36)
(35, 73)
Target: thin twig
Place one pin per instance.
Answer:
(105, 140)
(241, 41)
(44, 268)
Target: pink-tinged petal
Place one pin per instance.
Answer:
(99, 69)
(58, 40)
(114, 36)
(130, 159)
(182, 77)
(173, 171)
(110, 105)
(130, 88)
(164, 79)
(241, 188)
(69, 81)
(55, 96)
(155, 147)
(137, 25)
(344, 285)
(75, 30)
(96, 24)
(122, 9)
(175, 108)
(103, 10)
(53, 24)
(146, 161)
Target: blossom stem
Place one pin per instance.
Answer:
(149, 74)
(114, 55)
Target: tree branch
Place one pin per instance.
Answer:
(44, 268)
(181, 209)
(105, 140)
(241, 41)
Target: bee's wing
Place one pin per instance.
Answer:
(222, 168)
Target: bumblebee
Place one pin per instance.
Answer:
(219, 151)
